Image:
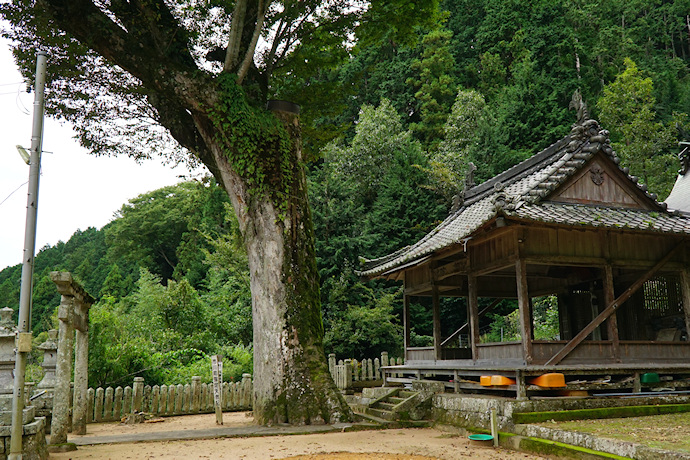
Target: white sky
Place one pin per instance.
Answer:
(76, 191)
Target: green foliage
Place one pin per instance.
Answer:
(256, 143)
(506, 328)
(434, 83)
(627, 108)
(161, 333)
(448, 163)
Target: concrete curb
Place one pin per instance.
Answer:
(211, 433)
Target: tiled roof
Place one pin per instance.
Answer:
(519, 191)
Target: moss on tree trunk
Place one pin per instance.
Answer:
(292, 381)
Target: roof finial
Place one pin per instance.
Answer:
(580, 107)
(684, 157)
(469, 176)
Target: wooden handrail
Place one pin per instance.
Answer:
(464, 326)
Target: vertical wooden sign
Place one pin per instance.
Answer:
(217, 370)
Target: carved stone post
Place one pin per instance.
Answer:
(63, 373)
(73, 313)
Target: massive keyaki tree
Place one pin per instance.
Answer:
(190, 80)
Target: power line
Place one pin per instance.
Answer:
(10, 84)
(8, 196)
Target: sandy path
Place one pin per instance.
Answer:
(425, 442)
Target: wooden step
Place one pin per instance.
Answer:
(406, 394)
(395, 399)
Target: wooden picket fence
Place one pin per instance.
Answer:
(352, 373)
(111, 404)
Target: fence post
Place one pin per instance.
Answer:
(247, 390)
(348, 374)
(108, 404)
(90, 396)
(331, 364)
(138, 389)
(117, 405)
(196, 393)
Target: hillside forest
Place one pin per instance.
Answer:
(390, 128)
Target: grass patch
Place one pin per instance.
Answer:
(603, 412)
(669, 431)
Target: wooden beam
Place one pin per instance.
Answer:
(473, 313)
(612, 321)
(406, 323)
(523, 305)
(436, 307)
(685, 289)
(457, 267)
(611, 308)
(483, 312)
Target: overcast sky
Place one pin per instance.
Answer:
(76, 191)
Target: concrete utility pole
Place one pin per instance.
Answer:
(24, 322)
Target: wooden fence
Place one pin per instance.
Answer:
(111, 404)
(350, 373)
(196, 398)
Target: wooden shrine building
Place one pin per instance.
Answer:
(569, 222)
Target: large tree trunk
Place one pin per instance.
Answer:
(259, 163)
(292, 382)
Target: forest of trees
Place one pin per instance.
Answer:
(389, 127)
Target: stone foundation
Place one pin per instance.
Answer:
(473, 411)
(33, 441)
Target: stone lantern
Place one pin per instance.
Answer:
(49, 348)
(7, 350)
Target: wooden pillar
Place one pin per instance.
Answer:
(685, 288)
(523, 305)
(612, 321)
(63, 373)
(473, 313)
(436, 306)
(406, 325)
(520, 386)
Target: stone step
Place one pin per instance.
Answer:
(381, 413)
(377, 420)
(385, 405)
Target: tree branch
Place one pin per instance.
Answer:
(235, 38)
(160, 60)
(249, 55)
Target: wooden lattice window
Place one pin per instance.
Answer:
(662, 296)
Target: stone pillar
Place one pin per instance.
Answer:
(138, 394)
(81, 382)
(63, 373)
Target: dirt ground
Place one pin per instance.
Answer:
(399, 444)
